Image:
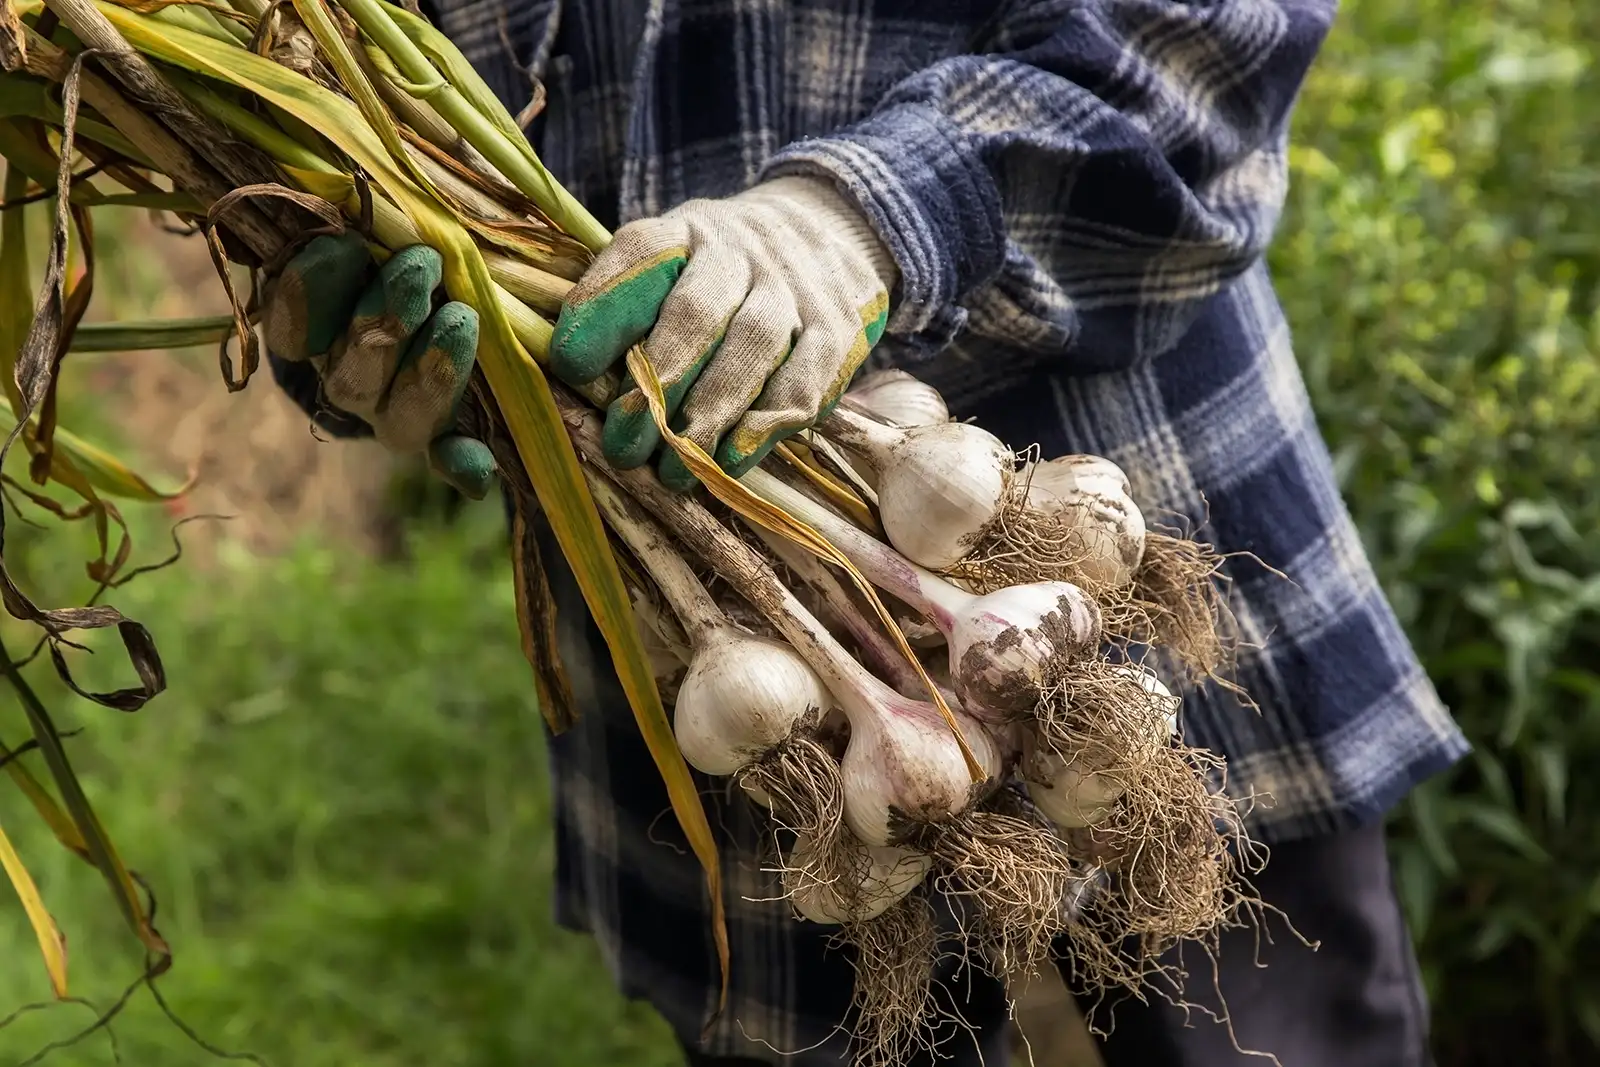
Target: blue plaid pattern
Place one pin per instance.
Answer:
(1077, 194)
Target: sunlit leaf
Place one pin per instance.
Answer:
(51, 944)
(77, 463)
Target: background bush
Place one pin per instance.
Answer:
(1439, 263)
(343, 799)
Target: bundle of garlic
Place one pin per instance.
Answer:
(987, 736)
(1064, 770)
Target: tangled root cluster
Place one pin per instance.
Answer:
(800, 781)
(1023, 543)
(1175, 598)
(1177, 601)
(1010, 878)
(1168, 847)
(895, 955)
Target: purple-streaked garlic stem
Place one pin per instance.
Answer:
(1001, 645)
(938, 486)
(875, 649)
(743, 694)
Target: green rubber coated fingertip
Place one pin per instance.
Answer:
(875, 326)
(404, 288)
(738, 463)
(629, 436)
(593, 334)
(441, 355)
(310, 302)
(464, 462)
(675, 474)
(450, 335)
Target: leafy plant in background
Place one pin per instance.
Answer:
(1440, 262)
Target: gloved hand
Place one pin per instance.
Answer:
(755, 311)
(384, 351)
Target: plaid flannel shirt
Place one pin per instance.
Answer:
(1077, 194)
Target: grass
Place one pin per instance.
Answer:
(342, 804)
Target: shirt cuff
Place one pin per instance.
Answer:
(930, 199)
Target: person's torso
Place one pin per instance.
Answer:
(654, 102)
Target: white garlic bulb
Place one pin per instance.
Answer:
(1162, 698)
(1072, 795)
(1066, 475)
(890, 875)
(903, 762)
(939, 488)
(1072, 798)
(742, 695)
(1002, 644)
(900, 398)
(1094, 495)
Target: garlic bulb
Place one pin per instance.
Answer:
(1072, 798)
(938, 486)
(889, 874)
(1094, 495)
(1072, 795)
(899, 398)
(1069, 475)
(1001, 646)
(904, 765)
(1161, 697)
(742, 696)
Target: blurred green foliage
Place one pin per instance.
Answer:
(342, 807)
(1439, 262)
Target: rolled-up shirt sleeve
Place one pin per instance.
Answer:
(1079, 188)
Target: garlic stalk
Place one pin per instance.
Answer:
(939, 486)
(875, 650)
(1001, 645)
(899, 398)
(874, 879)
(1094, 495)
(743, 695)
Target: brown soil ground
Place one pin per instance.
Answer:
(254, 451)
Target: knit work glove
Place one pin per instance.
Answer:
(755, 311)
(385, 352)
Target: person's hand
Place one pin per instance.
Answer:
(387, 351)
(755, 312)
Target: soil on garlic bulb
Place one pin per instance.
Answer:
(1153, 588)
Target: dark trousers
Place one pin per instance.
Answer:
(1356, 1001)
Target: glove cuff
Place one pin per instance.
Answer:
(821, 200)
